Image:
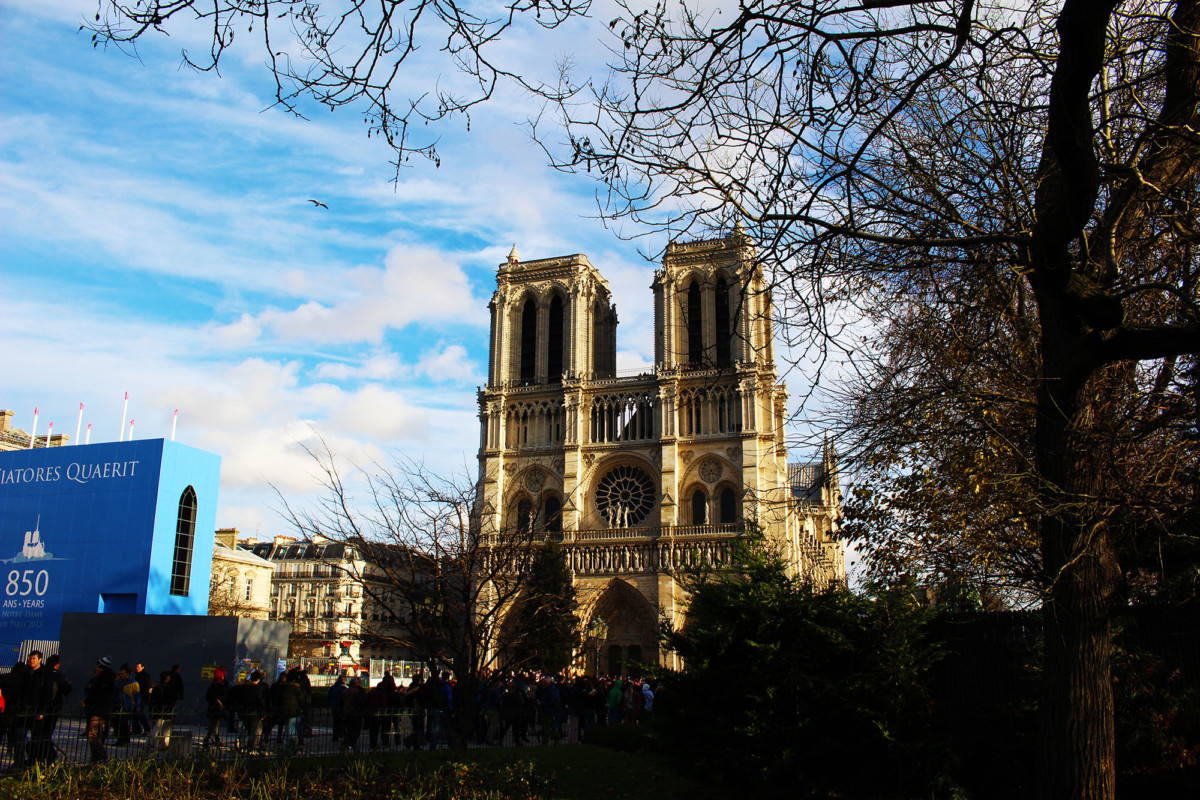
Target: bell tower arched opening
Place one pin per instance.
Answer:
(554, 342)
(528, 371)
(695, 327)
(723, 327)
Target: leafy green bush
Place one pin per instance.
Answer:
(792, 690)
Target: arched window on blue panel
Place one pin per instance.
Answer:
(185, 538)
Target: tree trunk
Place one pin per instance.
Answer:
(1077, 753)
(1078, 746)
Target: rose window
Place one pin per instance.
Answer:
(625, 496)
(710, 470)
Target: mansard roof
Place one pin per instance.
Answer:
(299, 551)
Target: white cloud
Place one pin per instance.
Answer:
(416, 285)
(379, 366)
(239, 333)
(452, 364)
(380, 414)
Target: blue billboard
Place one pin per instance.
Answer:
(121, 527)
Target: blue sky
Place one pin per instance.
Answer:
(156, 238)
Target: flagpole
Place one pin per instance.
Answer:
(78, 423)
(131, 430)
(88, 440)
(48, 432)
(174, 420)
(124, 409)
(33, 430)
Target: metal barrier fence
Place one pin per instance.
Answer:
(75, 738)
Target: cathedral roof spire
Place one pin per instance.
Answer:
(513, 256)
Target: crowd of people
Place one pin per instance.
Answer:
(545, 708)
(128, 703)
(253, 716)
(518, 708)
(32, 695)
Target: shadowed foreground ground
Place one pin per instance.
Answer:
(529, 773)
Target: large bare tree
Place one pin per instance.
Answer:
(359, 54)
(444, 584)
(939, 425)
(865, 144)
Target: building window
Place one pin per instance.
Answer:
(553, 515)
(528, 342)
(185, 536)
(723, 320)
(554, 352)
(524, 517)
(694, 331)
(625, 496)
(699, 508)
(728, 506)
(249, 589)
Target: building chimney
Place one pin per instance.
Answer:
(228, 537)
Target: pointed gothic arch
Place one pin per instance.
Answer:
(185, 537)
(632, 626)
(727, 506)
(556, 340)
(528, 350)
(723, 323)
(699, 506)
(694, 318)
(552, 513)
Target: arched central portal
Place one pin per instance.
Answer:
(632, 637)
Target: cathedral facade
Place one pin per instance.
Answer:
(639, 475)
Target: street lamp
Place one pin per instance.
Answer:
(598, 632)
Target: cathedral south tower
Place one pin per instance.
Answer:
(637, 475)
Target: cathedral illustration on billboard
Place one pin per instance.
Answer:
(637, 475)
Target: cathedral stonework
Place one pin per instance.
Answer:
(643, 474)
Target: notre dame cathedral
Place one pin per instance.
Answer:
(639, 474)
